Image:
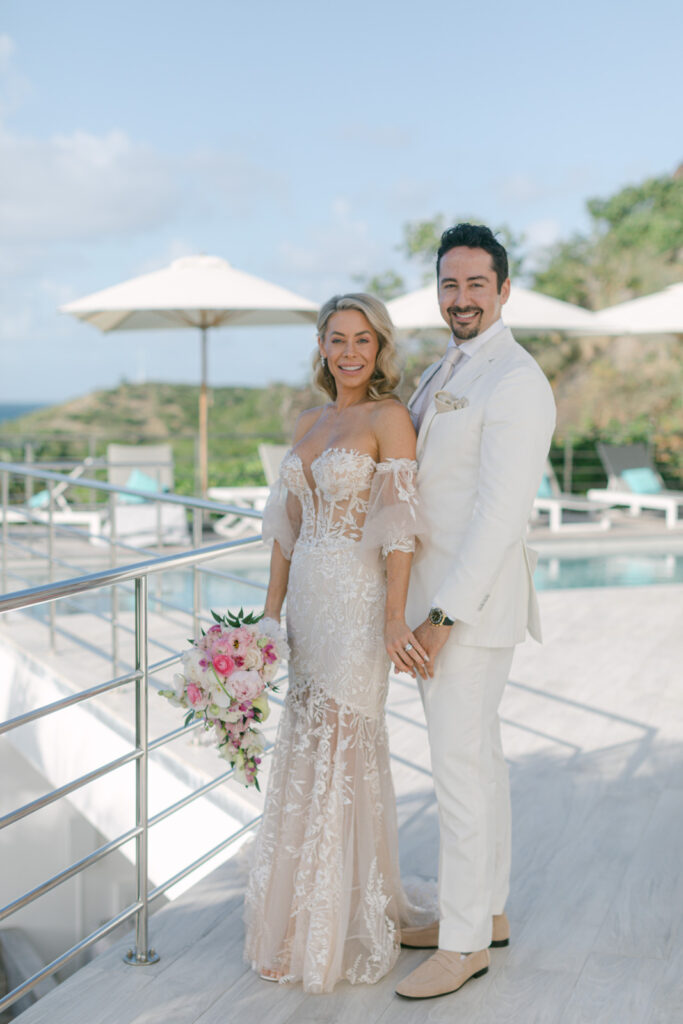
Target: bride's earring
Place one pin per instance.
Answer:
(323, 360)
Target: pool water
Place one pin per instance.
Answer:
(625, 569)
(174, 590)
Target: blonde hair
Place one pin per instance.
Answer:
(386, 375)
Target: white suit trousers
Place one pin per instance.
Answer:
(472, 790)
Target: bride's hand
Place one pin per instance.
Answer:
(405, 651)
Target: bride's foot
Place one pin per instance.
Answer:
(269, 975)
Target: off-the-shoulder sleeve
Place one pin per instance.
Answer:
(282, 518)
(393, 519)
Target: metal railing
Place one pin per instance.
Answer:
(48, 518)
(138, 574)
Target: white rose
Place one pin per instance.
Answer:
(253, 658)
(193, 671)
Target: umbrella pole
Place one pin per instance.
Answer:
(203, 423)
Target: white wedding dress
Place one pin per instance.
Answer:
(324, 900)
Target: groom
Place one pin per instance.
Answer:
(485, 416)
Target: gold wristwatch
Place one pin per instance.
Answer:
(438, 617)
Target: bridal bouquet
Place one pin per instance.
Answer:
(224, 682)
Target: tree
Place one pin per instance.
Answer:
(634, 247)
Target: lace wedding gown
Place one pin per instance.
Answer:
(324, 900)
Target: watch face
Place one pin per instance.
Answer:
(436, 616)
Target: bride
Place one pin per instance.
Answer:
(324, 900)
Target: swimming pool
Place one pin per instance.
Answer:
(618, 570)
(561, 566)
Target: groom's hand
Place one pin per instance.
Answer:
(431, 638)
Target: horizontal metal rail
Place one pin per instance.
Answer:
(204, 859)
(67, 702)
(21, 469)
(47, 594)
(70, 787)
(61, 961)
(120, 574)
(67, 873)
(197, 793)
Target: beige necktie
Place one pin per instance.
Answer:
(441, 376)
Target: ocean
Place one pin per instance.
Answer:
(12, 410)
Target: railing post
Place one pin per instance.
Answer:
(114, 592)
(28, 482)
(5, 527)
(51, 558)
(568, 467)
(92, 452)
(196, 576)
(142, 954)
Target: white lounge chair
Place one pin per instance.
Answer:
(633, 481)
(138, 521)
(555, 502)
(234, 527)
(36, 509)
(271, 455)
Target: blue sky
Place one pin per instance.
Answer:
(294, 140)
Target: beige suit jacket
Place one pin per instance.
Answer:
(481, 455)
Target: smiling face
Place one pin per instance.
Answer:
(469, 299)
(350, 346)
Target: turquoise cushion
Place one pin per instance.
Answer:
(139, 481)
(545, 490)
(41, 499)
(642, 481)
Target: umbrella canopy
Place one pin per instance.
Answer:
(661, 313)
(524, 311)
(196, 291)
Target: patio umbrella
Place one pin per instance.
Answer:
(661, 313)
(525, 311)
(195, 291)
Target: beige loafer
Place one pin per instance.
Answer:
(425, 937)
(442, 973)
(501, 931)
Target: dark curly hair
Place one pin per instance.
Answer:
(475, 236)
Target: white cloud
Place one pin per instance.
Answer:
(80, 186)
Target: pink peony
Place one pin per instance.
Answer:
(196, 696)
(223, 664)
(246, 684)
(241, 639)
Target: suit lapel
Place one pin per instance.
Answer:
(479, 364)
(422, 383)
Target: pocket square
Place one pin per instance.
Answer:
(446, 402)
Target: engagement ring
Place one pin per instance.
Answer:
(408, 647)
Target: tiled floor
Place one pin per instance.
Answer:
(593, 724)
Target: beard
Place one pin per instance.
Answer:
(465, 332)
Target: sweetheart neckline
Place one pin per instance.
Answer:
(334, 448)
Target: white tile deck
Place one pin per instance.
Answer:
(593, 723)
